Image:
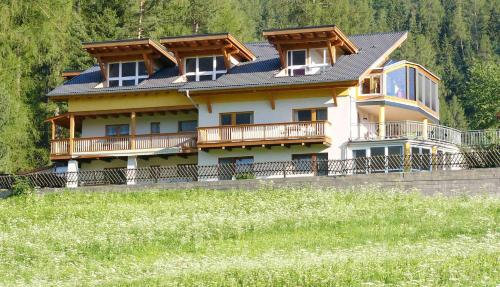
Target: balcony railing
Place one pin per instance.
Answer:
(61, 147)
(419, 130)
(264, 133)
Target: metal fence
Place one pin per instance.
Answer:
(264, 170)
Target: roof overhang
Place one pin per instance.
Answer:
(311, 36)
(152, 53)
(211, 44)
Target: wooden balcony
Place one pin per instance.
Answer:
(122, 145)
(264, 134)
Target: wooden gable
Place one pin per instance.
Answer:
(211, 44)
(152, 53)
(330, 37)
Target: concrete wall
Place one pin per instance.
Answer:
(477, 181)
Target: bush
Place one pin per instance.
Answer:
(245, 175)
(22, 186)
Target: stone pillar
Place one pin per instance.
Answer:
(425, 129)
(381, 122)
(72, 174)
(131, 170)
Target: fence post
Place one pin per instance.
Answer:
(284, 169)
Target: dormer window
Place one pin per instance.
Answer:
(204, 68)
(126, 73)
(306, 61)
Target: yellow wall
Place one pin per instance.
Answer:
(127, 101)
(278, 95)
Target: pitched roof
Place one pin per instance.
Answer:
(258, 73)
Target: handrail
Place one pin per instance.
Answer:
(263, 132)
(120, 143)
(418, 130)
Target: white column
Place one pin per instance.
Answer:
(72, 174)
(425, 129)
(131, 170)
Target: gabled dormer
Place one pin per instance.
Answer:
(309, 50)
(206, 57)
(128, 62)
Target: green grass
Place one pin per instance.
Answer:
(238, 238)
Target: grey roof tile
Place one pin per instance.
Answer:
(260, 72)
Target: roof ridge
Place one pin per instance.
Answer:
(378, 33)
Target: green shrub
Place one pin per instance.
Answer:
(22, 186)
(245, 175)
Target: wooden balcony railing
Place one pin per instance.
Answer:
(263, 133)
(60, 147)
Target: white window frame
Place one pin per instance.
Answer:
(197, 72)
(368, 155)
(120, 79)
(292, 68)
(308, 67)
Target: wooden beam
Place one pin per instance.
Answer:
(227, 61)
(209, 105)
(53, 130)
(103, 68)
(331, 52)
(120, 53)
(334, 97)
(71, 133)
(272, 101)
(132, 129)
(282, 56)
(180, 63)
(148, 63)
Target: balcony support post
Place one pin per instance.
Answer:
(425, 129)
(381, 122)
(132, 130)
(52, 130)
(131, 170)
(72, 174)
(71, 133)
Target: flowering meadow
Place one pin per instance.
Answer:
(267, 237)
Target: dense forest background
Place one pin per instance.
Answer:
(457, 39)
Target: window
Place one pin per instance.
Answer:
(396, 83)
(420, 158)
(240, 118)
(188, 126)
(126, 73)
(204, 68)
(308, 115)
(377, 157)
(395, 158)
(411, 82)
(315, 162)
(419, 87)
(371, 85)
(155, 128)
(306, 62)
(296, 62)
(360, 161)
(235, 167)
(116, 130)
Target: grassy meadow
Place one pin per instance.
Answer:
(364, 237)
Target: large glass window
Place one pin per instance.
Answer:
(420, 87)
(396, 83)
(395, 158)
(411, 83)
(235, 167)
(316, 163)
(117, 130)
(306, 61)
(319, 60)
(204, 68)
(126, 73)
(188, 126)
(307, 115)
(428, 92)
(240, 118)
